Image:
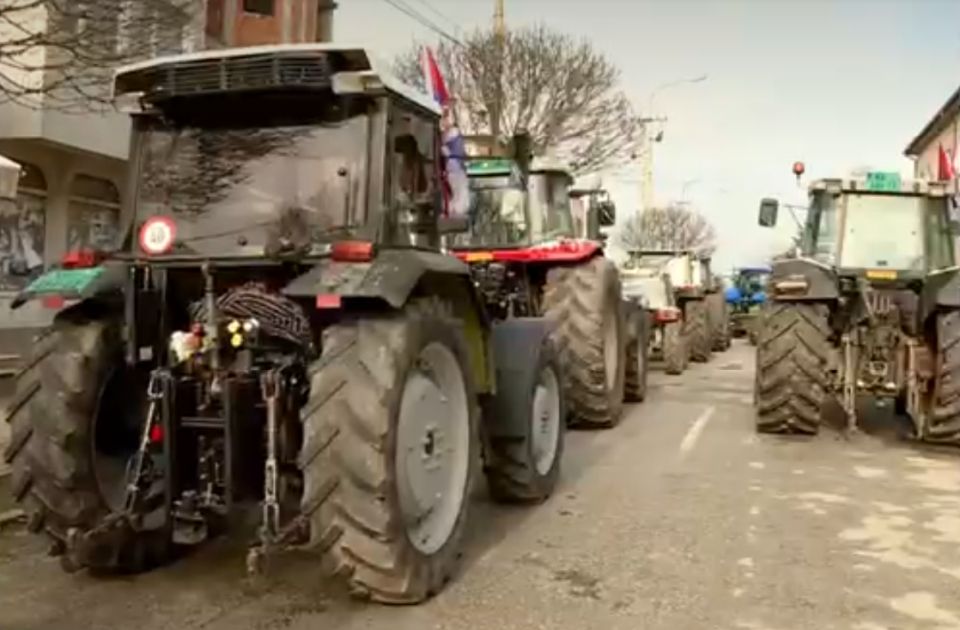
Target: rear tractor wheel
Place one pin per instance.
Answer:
(583, 304)
(389, 452)
(792, 358)
(674, 348)
(943, 423)
(75, 421)
(698, 331)
(635, 389)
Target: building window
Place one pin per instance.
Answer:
(93, 214)
(22, 228)
(259, 7)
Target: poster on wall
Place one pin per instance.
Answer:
(92, 227)
(21, 242)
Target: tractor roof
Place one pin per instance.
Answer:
(754, 270)
(549, 164)
(344, 69)
(884, 183)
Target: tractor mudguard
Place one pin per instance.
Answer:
(77, 283)
(391, 277)
(802, 279)
(941, 288)
(516, 345)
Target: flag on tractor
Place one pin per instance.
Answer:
(945, 170)
(456, 184)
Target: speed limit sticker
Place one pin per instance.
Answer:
(157, 235)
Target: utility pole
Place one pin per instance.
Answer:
(500, 36)
(646, 159)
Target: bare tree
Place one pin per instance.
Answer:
(61, 53)
(672, 227)
(562, 91)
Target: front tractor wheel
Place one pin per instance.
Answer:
(75, 420)
(583, 304)
(943, 423)
(792, 358)
(389, 452)
(525, 467)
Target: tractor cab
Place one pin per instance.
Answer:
(513, 206)
(878, 227)
(593, 210)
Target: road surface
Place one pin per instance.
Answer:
(679, 518)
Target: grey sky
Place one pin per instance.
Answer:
(836, 84)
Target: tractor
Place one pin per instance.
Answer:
(869, 306)
(279, 333)
(647, 280)
(527, 260)
(718, 313)
(745, 297)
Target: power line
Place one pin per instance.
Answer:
(440, 14)
(413, 14)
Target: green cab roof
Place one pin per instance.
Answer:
(489, 166)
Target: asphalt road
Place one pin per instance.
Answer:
(679, 518)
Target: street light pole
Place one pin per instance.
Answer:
(646, 157)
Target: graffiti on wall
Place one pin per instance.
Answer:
(21, 241)
(92, 227)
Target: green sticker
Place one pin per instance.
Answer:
(887, 182)
(64, 280)
(489, 166)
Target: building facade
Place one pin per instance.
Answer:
(73, 165)
(941, 131)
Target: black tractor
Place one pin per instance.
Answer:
(279, 331)
(869, 306)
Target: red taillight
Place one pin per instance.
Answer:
(328, 300)
(156, 433)
(352, 251)
(54, 302)
(80, 259)
(669, 314)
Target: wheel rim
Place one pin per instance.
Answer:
(545, 418)
(611, 354)
(433, 448)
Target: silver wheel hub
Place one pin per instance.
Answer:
(433, 447)
(545, 417)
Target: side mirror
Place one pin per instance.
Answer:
(768, 212)
(606, 213)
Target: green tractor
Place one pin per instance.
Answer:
(279, 332)
(869, 306)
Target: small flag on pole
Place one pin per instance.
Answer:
(457, 185)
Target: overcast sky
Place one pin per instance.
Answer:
(838, 84)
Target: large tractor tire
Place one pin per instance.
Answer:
(675, 351)
(943, 423)
(390, 452)
(583, 304)
(524, 467)
(74, 378)
(792, 357)
(635, 388)
(697, 330)
(718, 317)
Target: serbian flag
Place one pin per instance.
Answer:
(945, 170)
(457, 185)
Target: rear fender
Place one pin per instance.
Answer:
(802, 279)
(517, 344)
(940, 289)
(390, 281)
(75, 284)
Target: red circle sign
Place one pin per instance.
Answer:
(157, 235)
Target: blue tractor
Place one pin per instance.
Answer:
(746, 296)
